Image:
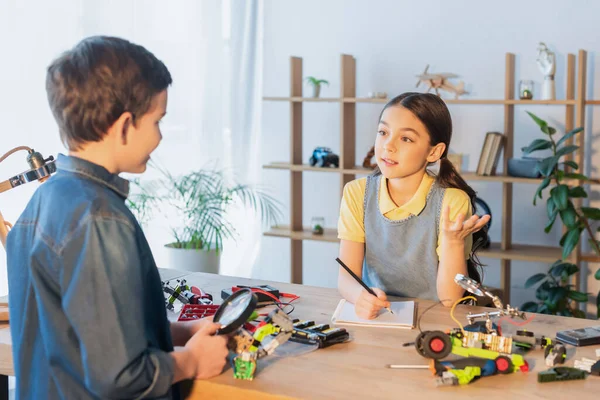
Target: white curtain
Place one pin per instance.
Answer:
(213, 49)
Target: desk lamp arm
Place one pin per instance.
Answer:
(40, 170)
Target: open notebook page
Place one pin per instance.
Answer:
(403, 316)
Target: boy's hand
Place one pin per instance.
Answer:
(195, 326)
(368, 306)
(458, 230)
(208, 350)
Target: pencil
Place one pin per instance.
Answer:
(363, 284)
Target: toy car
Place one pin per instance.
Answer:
(437, 345)
(324, 157)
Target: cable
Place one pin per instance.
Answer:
(14, 151)
(510, 320)
(454, 306)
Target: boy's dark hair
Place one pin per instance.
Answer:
(90, 86)
(433, 113)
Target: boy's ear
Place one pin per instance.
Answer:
(436, 152)
(122, 126)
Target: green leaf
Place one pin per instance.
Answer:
(571, 164)
(551, 208)
(566, 150)
(543, 309)
(560, 195)
(550, 223)
(547, 165)
(534, 279)
(571, 240)
(541, 123)
(541, 188)
(529, 306)
(591, 212)
(569, 270)
(578, 296)
(559, 267)
(597, 274)
(578, 192)
(556, 294)
(536, 145)
(569, 217)
(569, 135)
(579, 177)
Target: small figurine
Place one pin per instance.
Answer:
(367, 161)
(440, 81)
(324, 157)
(546, 61)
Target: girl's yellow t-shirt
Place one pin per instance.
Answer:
(350, 223)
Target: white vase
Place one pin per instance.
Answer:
(193, 260)
(316, 90)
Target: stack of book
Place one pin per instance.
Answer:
(490, 153)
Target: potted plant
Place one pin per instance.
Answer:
(554, 294)
(316, 84)
(196, 205)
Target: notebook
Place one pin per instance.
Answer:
(403, 316)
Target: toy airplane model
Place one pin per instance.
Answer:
(440, 81)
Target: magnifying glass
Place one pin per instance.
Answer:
(470, 285)
(476, 288)
(235, 310)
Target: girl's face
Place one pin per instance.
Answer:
(402, 147)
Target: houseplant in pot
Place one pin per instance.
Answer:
(196, 206)
(555, 292)
(316, 85)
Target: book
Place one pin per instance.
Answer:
(490, 153)
(494, 156)
(404, 316)
(483, 157)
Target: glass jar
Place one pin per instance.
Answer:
(526, 90)
(317, 225)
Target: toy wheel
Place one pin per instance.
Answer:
(419, 343)
(504, 365)
(312, 161)
(547, 350)
(321, 162)
(436, 345)
(562, 354)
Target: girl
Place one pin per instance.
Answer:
(405, 231)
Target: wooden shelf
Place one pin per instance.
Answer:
(305, 99)
(330, 235)
(469, 176)
(519, 252)
(303, 167)
(365, 100)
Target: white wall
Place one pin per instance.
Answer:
(392, 42)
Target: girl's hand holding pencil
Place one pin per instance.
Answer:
(368, 306)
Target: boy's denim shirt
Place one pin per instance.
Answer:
(87, 314)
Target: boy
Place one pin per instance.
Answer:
(86, 304)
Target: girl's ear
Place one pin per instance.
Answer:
(436, 152)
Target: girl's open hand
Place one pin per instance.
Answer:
(459, 229)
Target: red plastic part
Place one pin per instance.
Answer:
(525, 367)
(191, 312)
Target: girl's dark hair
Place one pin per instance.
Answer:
(433, 113)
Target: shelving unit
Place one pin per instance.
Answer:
(506, 251)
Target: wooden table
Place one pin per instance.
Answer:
(357, 369)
